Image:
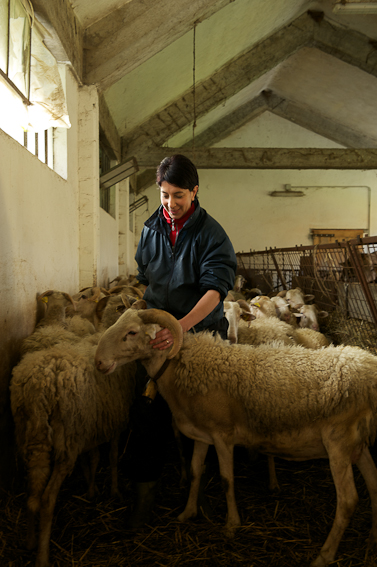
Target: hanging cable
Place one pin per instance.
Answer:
(193, 88)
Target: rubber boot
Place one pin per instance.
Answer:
(143, 508)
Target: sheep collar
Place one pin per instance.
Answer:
(162, 370)
(150, 389)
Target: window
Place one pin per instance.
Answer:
(15, 42)
(32, 98)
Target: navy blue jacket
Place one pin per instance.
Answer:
(177, 277)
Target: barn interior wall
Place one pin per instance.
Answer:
(39, 247)
(53, 235)
(240, 200)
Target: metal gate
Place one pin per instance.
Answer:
(342, 276)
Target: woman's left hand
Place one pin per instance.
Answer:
(163, 340)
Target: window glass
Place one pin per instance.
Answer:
(19, 46)
(3, 35)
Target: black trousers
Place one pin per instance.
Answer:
(151, 429)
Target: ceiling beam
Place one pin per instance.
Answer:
(349, 46)
(317, 123)
(133, 33)
(223, 84)
(265, 158)
(267, 100)
(65, 40)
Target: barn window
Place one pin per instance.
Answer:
(32, 98)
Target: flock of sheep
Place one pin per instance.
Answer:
(276, 386)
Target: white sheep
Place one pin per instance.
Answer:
(296, 297)
(55, 326)
(309, 316)
(292, 402)
(62, 407)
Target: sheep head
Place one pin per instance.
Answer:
(128, 339)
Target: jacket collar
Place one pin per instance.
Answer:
(157, 221)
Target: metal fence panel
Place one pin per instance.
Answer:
(342, 276)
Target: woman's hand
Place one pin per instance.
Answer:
(163, 340)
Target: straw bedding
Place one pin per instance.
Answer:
(280, 530)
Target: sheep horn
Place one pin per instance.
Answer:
(164, 319)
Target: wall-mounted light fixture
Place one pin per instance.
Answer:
(287, 192)
(118, 173)
(349, 8)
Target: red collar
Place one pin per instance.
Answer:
(176, 225)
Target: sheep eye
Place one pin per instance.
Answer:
(132, 333)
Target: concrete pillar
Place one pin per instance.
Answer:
(88, 173)
(124, 224)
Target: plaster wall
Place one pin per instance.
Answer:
(39, 244)
(240, 201)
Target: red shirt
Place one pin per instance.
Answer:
(177, 224)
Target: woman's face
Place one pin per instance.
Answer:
(175, 200)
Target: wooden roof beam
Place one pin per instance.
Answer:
(265, 158)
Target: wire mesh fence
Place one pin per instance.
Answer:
(342, 276)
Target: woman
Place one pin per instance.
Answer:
(184, 256)
(188, 264)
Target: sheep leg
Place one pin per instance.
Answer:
(89, 470)
(368, 469)
(38, 474)
(177, 434)
(197, 464)
(46, 513)
(274, 485)
(113, 457)
(225, 456)
(347, 499)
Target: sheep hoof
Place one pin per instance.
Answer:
(117, 494)
(320, 561)
(230, 531)
(187, 515)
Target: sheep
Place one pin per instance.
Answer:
(234, 311)
(239, 292)
(309, 315)
(292, 402)
(283, 310)
(309, 338)
(262, 306)
(296, 297)
(54, 326)
(63, 407)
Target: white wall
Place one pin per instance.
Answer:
(239, 199)
(39, 242)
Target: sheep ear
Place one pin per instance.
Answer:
(298, 315)
(44, 296)
(322, 314)
(69, 298)
(139, 304)
(164, 319)
(152, 330)
(282, 293)
(247, 316)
